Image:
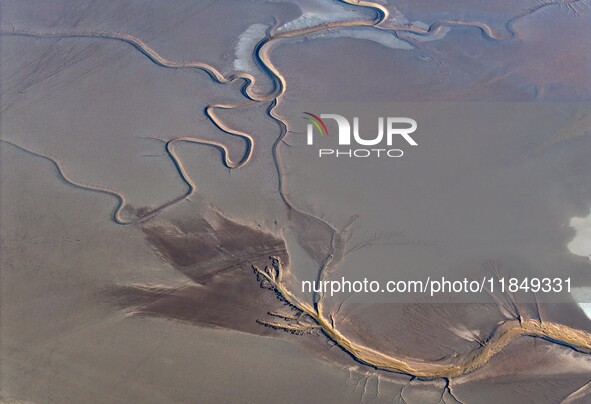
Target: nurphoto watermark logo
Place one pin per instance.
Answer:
(389, 128)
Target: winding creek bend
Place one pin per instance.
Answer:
(312, 317)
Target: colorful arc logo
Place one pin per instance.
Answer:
(317, 122)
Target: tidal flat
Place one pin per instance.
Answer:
(159, 204)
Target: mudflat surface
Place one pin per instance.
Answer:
(159, 205)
